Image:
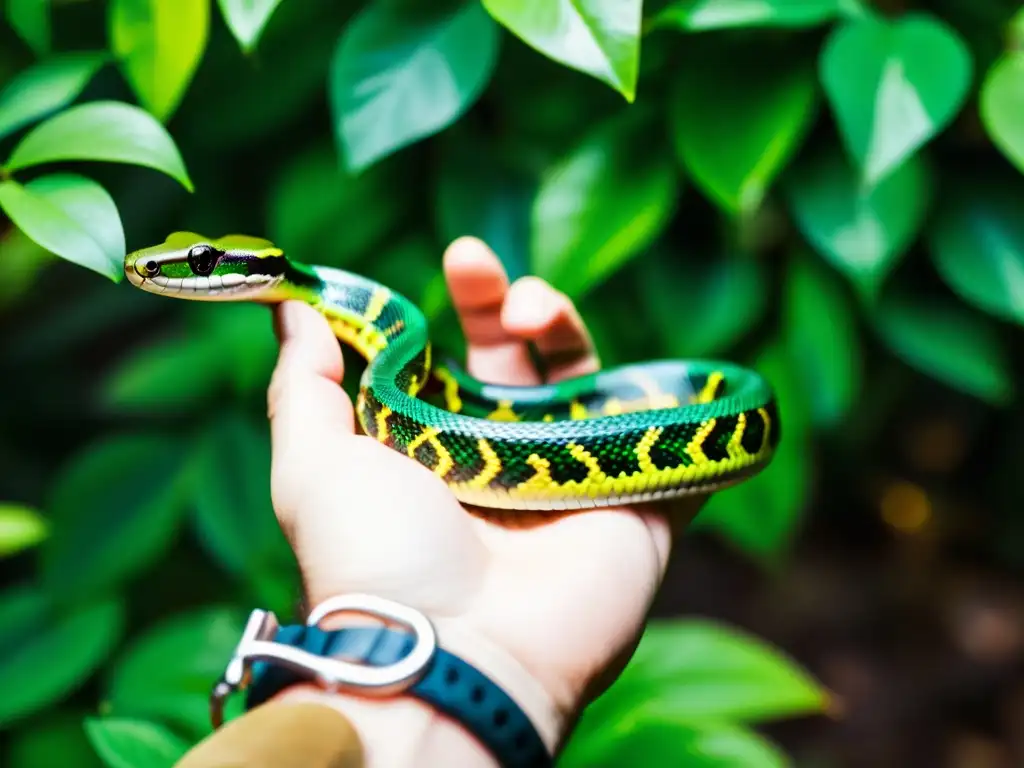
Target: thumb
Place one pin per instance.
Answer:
(308, 409)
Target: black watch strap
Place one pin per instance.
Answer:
(449, 684)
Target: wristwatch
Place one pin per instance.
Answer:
(377, 660)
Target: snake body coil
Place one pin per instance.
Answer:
(635, 433)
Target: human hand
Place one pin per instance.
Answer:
(564, 595)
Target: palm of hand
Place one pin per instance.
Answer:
(564, 594)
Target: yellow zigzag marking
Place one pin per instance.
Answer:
(542, 481)
(492, 465)
(710, 389)
(382, 423)
(643, 449)
(503, 412)
(594, 472)
(451, 390)
(735, 446)
(444, 459)
(696, 446)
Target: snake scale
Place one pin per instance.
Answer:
(635, 433)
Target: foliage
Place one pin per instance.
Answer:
(828, 189)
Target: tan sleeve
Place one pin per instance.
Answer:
(280, 735)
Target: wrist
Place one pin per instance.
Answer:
(440, 689)
(400, 731)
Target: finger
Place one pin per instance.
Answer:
(534, 311)
(307, 408)
(479, 286)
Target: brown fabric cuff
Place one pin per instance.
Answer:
(280, 735)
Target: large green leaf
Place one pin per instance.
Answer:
(736, 125)
(1001, 102)
(599, 37)
(234, 516)
(247, 18)
(695, 671)
(945, 341)
(124, 743)
(977, 244)
(602, 205)
(701, 306)
(108, 131)
(57, 740)
(31, 20)
(320, 214)
(115, 509)
(168, 672)
(47, 651)
(71, 216)
(402, 73)
(821, 336)
(699, 15)
(173, 375)
(20, 528)
(481, 195)
(662, 742)
(862, 231)
(760, 516)
(45, 87)
(159, 45)
(893, 85)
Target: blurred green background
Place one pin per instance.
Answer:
(829, 190)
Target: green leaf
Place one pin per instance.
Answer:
(21, 528)
(737, 125)
(1001, 104)
(481, 195)
(46, 87)
(47, 651)
(862, 231)
(320, 214)
(821, 337)
(402, 73)
(950, 344)
(58, 740)
(168, 672)
(760, 515)
(601, 205)
(977, 245)
(31, 20)
(126, 743)
(247, 18)
(598, 37)
(108, 131)
(115, 509)
(701, 15)
(175, 375)
(696, 671)
(893, 85)
(159, 45)
(715, 300)
(71, 216)
(234, 517)
(653, 741)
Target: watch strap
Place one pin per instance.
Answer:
(449, 684)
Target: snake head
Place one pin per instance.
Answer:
(190, 266)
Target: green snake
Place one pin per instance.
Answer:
(636, 433)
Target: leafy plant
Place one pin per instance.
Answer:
(828, 190)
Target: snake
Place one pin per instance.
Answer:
(636, 433)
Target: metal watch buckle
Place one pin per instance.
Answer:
(257, 644)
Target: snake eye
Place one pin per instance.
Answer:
(202, 259)
(150, 269)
